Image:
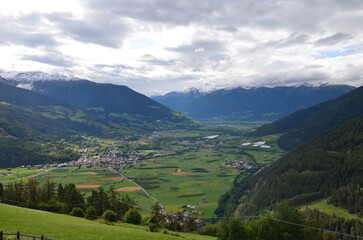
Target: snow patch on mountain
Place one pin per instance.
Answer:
(27, 86)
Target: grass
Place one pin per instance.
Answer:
(63, 227)
(323, 206)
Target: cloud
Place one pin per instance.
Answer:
(163, 45)
(16, 31)
(332, 40)
(53, 58)
(92, 29)
(292, 39)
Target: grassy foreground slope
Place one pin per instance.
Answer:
(63, 227)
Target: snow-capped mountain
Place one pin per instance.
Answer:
(25, 79)
(34, 76)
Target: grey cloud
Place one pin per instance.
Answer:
(293, 39)
(201, 54)
(333, 39)
(297, 16)
(200, 46)
(50, 58)
(156, 61)
(173, 12)
(18, 32)
(116, 66)
(94, 28)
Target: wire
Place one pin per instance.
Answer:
(314, 228)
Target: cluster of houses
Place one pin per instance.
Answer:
(182, 219)
(194, 210)
(114, 158)
(5, 174)
(104, 157)
(260, 144)
(237, 165)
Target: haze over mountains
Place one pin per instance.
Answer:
(254, 104)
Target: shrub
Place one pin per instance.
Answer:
(77, 212)
(153, 227)
(110, 216)
(91, 212)
(133, 216)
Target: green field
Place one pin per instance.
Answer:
(323, 206)
(190, 173)
(64, 227)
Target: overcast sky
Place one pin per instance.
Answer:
(157, 46)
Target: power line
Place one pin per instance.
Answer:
(287, 222)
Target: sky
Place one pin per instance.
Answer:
(158, 46)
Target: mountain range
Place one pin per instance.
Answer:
(38, 113)
(114, 103)
(253, 104)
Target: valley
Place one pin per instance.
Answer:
(178, 168)
(76, 146)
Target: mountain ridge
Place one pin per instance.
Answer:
(304, 124)
(251, 104)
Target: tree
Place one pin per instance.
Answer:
(232, 229)
(60, 193)
(47, 191)
(77, 212)
(109, 216)
(123, 205)
(72, 196)
(1, 191)
(156, 217)
(32, 190)
(133, 216)
(91, 212)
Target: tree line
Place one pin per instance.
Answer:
(66, 199)
(106, 204)
(287, 223)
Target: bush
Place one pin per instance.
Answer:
(153, 227)
(91, 212)
(77, 212)
(133, 216)
(110, 216)
(210, 230)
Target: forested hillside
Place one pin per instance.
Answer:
(303, 125)
(30, 125)
(319, 168)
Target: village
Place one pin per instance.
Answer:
(238, 165)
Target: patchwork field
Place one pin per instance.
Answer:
(191, 172)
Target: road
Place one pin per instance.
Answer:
(143, 189)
